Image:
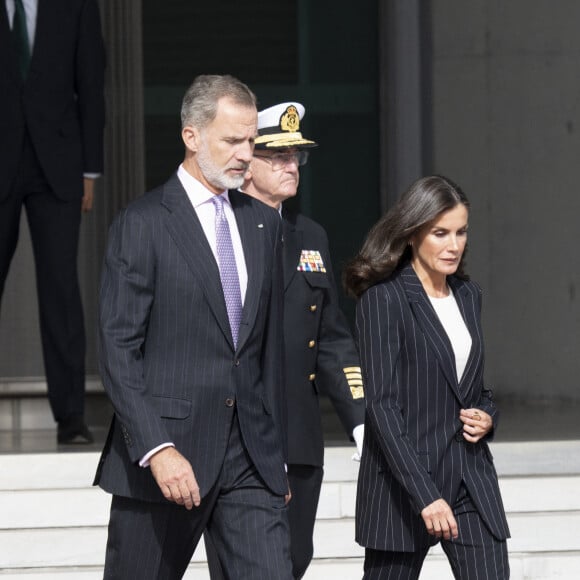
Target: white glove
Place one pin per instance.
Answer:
(358, 434)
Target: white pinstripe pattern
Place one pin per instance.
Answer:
(167, 357)
(168, 361)
(476, 554)
(411, 456)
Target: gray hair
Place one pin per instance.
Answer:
(199, 106)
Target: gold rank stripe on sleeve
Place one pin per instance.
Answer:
(357, 392)
(355, 382)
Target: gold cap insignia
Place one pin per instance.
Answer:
(290, 120)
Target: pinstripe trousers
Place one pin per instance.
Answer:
(475, 555)
(248, 525)
(305, 484)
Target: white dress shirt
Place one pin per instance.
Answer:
(31, 8)
(201, 199)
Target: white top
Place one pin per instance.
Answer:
(456, 329)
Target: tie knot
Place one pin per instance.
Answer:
(219, 201)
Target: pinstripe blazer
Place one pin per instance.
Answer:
(414, 452)
(167, 357)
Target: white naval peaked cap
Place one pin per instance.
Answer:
(279, 127)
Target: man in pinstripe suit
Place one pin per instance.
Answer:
(197, 441)
(426, 472)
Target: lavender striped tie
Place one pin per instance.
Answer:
(228, 269)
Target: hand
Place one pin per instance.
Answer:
(439, 520)
(288, 496)
(88, 194)
(175, 478)
(476, 424)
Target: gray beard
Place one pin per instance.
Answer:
(216, 175)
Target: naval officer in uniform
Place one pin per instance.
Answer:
(320, 353)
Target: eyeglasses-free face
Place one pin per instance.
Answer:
(279, 161)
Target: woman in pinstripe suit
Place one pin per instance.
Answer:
(426, 473)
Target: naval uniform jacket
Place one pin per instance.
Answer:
(320, 352)
(414, 452)
(168, 361)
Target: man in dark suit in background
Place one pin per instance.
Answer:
(319, 349)
(52, 116)
(191, 357)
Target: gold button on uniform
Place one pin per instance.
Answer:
(313, 308)
(311, 377)
(312, 344)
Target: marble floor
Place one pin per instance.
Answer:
(529, 421)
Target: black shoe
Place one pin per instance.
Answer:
(74, 431)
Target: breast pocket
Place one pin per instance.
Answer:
(317, 280)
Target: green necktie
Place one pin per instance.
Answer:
(20, 38)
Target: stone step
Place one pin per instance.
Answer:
(23, 387)
(541, 566)
(89, 506)
(76, 469)
(47, 505)
(30, 548)
(58, 548)
(24, 404)
(67, 470)
(516, 458)
(529, 567)
(520, 494)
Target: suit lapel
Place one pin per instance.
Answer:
(431, 326)
(252, 232)
(470, 311)
(186, 230)
(292, 247)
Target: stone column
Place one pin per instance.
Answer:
(124, 176)
(405, 94)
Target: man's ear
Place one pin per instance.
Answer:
(191, 138)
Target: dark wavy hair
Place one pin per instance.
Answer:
(387, 244)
